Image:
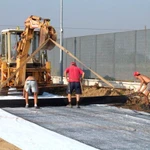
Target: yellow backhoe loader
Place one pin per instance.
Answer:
(18, 45)
(24, 53)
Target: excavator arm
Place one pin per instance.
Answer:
(23, 46)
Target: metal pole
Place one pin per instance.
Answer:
(61, 41)
(145, 48)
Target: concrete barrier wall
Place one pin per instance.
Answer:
(91, 82)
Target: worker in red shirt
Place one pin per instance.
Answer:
(74, 75)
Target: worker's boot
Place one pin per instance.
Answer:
(69, 105)
(27, 106)
(36, 107)
(77, 105)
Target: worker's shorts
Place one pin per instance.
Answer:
(31, 85)
(74, 86)
(148, 87)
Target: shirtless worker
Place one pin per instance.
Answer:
(144, 81)
(30, 84)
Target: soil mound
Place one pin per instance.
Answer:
(135, 101)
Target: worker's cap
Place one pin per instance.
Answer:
(136, 73)
(73, 63)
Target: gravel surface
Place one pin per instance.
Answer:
(101, 126)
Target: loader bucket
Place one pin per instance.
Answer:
(45, 34)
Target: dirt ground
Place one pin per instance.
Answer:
(4, 145)
(135, 101)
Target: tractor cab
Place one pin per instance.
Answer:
(9, 40)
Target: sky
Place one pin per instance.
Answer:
(80, 17)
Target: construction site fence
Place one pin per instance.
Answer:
(114, 56)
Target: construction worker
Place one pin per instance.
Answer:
(74, 75)
(144, 81)
(30, 84)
